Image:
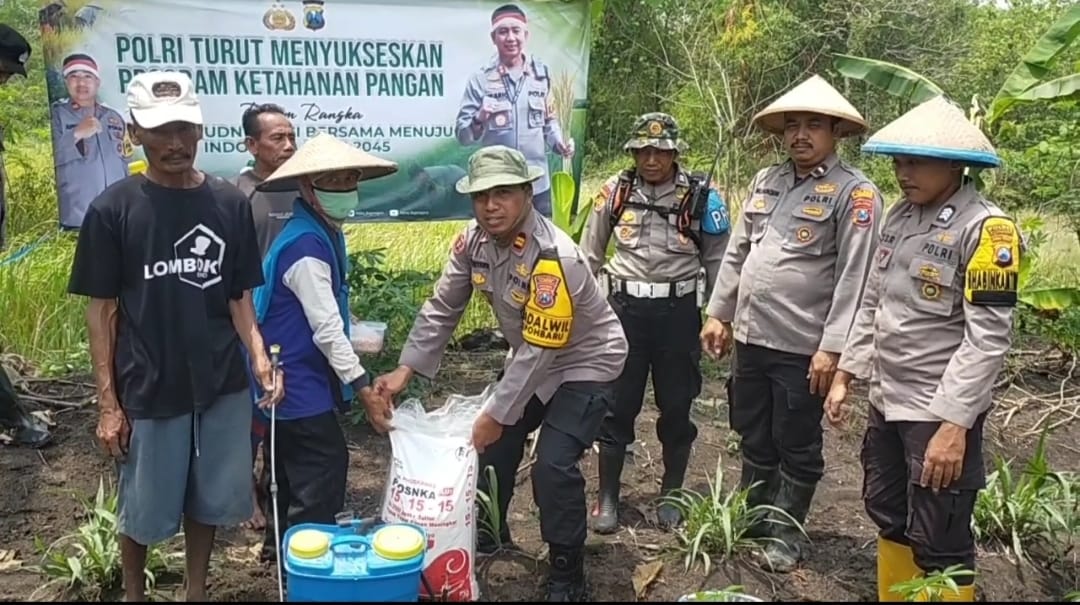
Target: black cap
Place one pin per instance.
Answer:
(14, 50)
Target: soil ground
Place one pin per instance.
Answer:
(37, 501)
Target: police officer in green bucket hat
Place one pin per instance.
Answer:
(671, 228)
(567, 344)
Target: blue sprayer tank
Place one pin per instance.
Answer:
(357, 561)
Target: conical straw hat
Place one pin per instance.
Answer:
(935, 129)
(813, 95)
(326, 153)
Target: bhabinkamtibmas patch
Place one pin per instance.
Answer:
(549, 313)
(993, 274)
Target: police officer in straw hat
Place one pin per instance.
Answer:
(669, 242)
(568, 348)
(941, 291)
(786, 293)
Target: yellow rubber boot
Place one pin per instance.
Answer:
(965, 594)
(895, 563)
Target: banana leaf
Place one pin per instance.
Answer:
(1051, 299)
(898, 81)
(562, 199)
(1054, 89)
(579, 223)
(1037, 63)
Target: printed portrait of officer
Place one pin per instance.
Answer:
(510, 102)
(91, 145)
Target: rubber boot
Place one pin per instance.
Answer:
(606, 515)
(784, 552)
(895, 564)
(674, 473)
(566, 580)
(964, 594)
(767, 482)
(29, 430)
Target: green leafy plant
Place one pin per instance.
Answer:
(1024, 84)
(492, 523)
(731, 594)
(935, 586)
(87, 562)
(1038, 508)
(719, 524)
(391, 296)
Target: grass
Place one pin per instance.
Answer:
(1038, 509)
(86, 563)
(718, 524)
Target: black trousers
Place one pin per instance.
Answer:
(775, 414)
(936, 526)
(312, 467)
(664, 338)
(571, 421)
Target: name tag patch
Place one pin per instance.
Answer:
(993, 275)
(549, 312)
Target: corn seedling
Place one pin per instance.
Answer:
(492, 521)
(933, 587)
(1073, 597)
(1037, 508)
(719, 524)
(87, 562)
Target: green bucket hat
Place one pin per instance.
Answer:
(496, 166)
(658, 130)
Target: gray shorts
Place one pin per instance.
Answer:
(198, 466)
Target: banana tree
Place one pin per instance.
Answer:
(1025, 84)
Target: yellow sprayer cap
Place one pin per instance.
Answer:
(398, 542)
(309, 544)
(137, 167)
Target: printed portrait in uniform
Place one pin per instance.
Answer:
(509, 101)
(91, 143)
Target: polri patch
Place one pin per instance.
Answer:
(862, 212)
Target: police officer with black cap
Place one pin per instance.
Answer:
(14, 53)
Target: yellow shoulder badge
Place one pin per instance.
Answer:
(549, 312)
(993, 273)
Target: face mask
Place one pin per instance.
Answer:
(337, 204)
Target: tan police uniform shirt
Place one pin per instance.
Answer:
(935, 323)
(648, 246)
(560, 327)
(799, 254)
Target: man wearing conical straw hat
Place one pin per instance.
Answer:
(304, 307)
(930, 336)
(567, 350)
(786, 293)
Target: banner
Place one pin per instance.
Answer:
(424, 83)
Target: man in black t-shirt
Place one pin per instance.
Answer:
(169, 260)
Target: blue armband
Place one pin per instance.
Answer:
(716, 221)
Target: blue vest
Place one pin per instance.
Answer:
(306, 368)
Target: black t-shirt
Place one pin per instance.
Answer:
(173, 258)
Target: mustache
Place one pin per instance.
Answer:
(176, 156)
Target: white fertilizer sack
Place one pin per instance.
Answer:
(432, 484)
